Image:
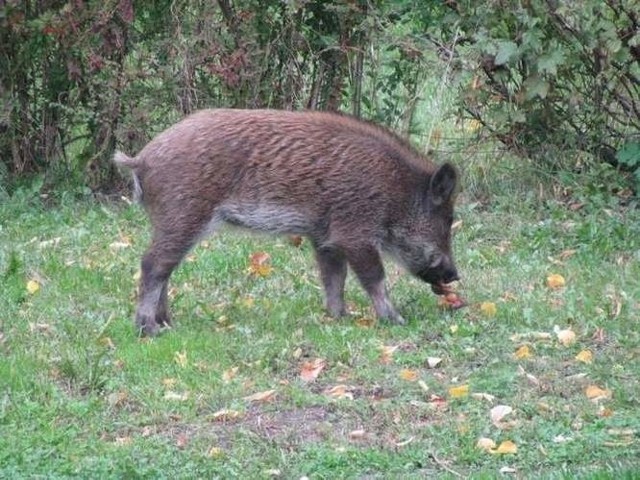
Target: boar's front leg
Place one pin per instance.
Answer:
(366, 263)
(333, 271)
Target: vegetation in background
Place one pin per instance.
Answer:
(554, 81)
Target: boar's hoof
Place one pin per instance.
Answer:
(336, 311)
(147, 327)
(397, 319)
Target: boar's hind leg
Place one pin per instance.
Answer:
(333, 271)
(157, 265)
(367, 265)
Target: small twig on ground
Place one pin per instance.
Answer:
(443, 465)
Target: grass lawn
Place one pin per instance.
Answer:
(255, 381)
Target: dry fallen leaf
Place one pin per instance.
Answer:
(310, 370)
(437, 402)
(523, 352)
(262, 397)
(339, 391)
(498, 412)
(365, 322)
(555, 281)
(387, 353)
(409, 375)
(433, 362)
(585, 356)
(459, 391)
(604, 411)
(260, 264)
(484, 396)
(486, 444)
(33, 286)
(225, 415)
(566, 337)
(595, 393)
(506, 447)
(488, 309)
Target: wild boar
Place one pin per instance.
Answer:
(354, 189)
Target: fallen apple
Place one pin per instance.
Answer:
(448, 297)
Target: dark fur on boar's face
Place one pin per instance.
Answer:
(354, 189)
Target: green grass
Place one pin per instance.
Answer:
(82, 396)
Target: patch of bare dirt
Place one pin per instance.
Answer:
(290, 428)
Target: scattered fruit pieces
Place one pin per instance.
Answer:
(448, 298)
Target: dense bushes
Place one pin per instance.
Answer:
(551, 80)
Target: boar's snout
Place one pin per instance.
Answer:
(450, 275)
(441, 273)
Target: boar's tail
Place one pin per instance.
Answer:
(133, 164)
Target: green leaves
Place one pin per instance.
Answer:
(629, 156)
(535, 86)
(578, 60)
(548, 63)
(507, 50)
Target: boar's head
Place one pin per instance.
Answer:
(422, 238)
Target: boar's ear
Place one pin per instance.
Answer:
(443, 184)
